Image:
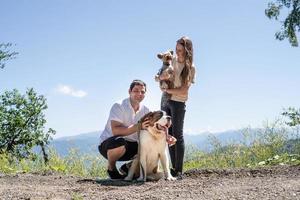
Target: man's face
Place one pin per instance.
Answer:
(137, 94)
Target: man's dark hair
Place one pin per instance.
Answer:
(137, 82)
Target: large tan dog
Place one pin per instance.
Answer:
(152, 149)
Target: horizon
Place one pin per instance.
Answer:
(82, 56)
(185, 133)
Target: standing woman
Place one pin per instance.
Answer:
(184, 72)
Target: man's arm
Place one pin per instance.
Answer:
(119, 129)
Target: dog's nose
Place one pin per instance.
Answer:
(168, 118)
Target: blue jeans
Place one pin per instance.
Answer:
(176, 110)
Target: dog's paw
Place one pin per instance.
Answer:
(141, 179)
(171, 178)
(127, 178)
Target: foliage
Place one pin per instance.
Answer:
(294, 116)
(263, 147)
(73, 164)
(266, 146)
(281, 160)
(76, 196)
(22, 123)
(291, 24)
(5, 53)
(76, 164)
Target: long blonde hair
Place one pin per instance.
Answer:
(188, 47)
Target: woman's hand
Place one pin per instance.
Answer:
(164, 90)
(156, 78)
(164, 76)
(171, 140)
(161, 77)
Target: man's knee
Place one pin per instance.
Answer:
(116, 151)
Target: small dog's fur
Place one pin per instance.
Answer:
(166, 70)
(152, 149)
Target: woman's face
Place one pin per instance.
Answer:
(180, 52)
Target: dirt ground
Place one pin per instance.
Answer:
(280, 182)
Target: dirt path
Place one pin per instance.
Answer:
(281, 182)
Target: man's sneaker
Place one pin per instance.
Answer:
(125, 168)
(114, 174)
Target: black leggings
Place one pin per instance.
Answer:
(176, 110)
(117, 141)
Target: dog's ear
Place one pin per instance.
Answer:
(148, 115)
(160, 56)
(156, 115)
(172, 52)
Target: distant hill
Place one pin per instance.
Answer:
(204, 140)
(87, 143)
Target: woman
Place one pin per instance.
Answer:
(184, 72)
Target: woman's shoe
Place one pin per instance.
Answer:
(173, 172)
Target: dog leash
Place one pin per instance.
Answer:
(139, 147)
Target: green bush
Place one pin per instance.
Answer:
(267, 146)
(73, 164)
(263, 147)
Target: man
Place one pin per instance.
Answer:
(118, 141)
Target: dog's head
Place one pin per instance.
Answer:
(166, 57)
(159, 122)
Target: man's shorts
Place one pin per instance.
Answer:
(117, 141)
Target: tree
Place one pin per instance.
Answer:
(294, 116)
(291, 24)
(5, 54)
(22, 123)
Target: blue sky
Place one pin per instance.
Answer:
(82, 56)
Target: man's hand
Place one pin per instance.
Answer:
(145, 124)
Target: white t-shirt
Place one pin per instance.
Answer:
(124, 113)
(178, 67)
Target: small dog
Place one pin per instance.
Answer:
(152, 149)
(166, 70)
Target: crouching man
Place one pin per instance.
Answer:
(119, 140)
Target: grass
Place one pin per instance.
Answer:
(76, 196)
(72, 164)
(262, 147)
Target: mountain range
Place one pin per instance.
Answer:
(87, 143)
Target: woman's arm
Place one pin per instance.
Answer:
(161, 77)
(183, 90)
